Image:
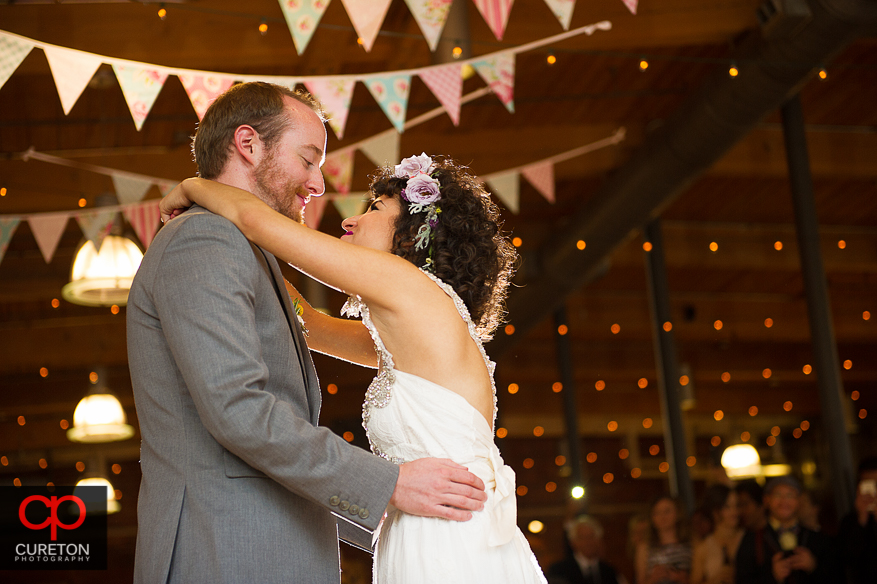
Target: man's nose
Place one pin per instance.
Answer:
(316, 185)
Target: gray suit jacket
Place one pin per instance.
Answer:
(238, 478)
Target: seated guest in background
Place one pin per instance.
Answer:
(808, 511)
(714, 558)
(750, 504)
(783, 550)
(858, 529)
(585, 536)
(666, 556)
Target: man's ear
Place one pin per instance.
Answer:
(248, 145)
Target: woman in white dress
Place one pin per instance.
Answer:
(428, 273)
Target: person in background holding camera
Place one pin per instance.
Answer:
(858, 529)
(784, 550)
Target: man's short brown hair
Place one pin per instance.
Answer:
(256, 104)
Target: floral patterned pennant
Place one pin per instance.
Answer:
(391, 93)
(95, 225)
(140, 86)
(302, 18)
(203, 89)
(562, 9)
(430, 16)
(338, 170)
(334, 95)
(499, 73)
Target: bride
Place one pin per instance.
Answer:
(428, 273)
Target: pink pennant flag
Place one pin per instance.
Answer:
(431, 16)
(144, 218)
(334, 95)
(338, 170)
(496, 14)
(446, 83)
(47, 230)
(72, 71)
(507, 188)
(203, 89)
(562, 10)
(499, 73)
(95, 225)
(631, 5)
(314, 211)
(7, 229)
(13, 50)
(367, 17)
(541, 176)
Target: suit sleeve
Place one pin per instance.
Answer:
(205, 298)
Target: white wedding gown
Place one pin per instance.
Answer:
(407, 417)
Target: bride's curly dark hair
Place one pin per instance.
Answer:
(470, 251)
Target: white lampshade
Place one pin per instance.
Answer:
(741, 460)
(103, 278)
(99, 417)
(112, 505)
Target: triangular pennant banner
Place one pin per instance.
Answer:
(12, 52)
(96, 225)
(302, 18)
(130, 190)
(289, 82)
(507, 188)
(47, 230)
(383, 149)
(430, 16)
(7, 228)
(140, 86)
(391, 93)
(334, 95)
(350, 205)
(499, 73)
(541, 176)
(166, 186)
(338, 170)
(446, 83)
(562, 9)
(144, 219)
(367, 17)
(72, 71)
(496, 14)
(203, 89)
(314, 211)
(631, 5)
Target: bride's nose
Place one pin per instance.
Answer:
(349, 223)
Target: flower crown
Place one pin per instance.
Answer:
(422, 193)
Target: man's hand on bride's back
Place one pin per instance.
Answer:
(175, 202)
(438, 487)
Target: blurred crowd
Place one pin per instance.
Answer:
(740, 534)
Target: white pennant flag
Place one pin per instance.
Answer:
(383, 149)
(96, 225)
(72, 71)
(350, 205)
(367, 17)
(47, 229)
(507, 188)
(562, 9)
(430, 16)
(541, 176)
(12, 52)
(144, 219)
(130, 190)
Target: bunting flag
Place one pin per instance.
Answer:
(562, 9)
(289, 82)
(430, 16)
(334, 95)
(7, 228)
(144, 219)
(391, 93)
(507, 188)
(166, 187)
(367, 17)
(130, 190)
(12, 52)
(338, 170)
(541, 176)
(314, 211)
(302, 18)
(499, 73)
(47, 230)
(72, 71)
(203, 89)
(446, 83)
(140, 86)
(496, 14)
(350, 205)
(631, 5)
(96, 225)
(382, 149)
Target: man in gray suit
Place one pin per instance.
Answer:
(239, 482)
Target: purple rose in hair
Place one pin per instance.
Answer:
(414, 165)
(422, 189)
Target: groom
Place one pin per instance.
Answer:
(239, 483)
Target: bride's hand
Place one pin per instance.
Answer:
(176, 201)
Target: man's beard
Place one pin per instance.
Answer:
(278, 191)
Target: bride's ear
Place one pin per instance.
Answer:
(248, 144)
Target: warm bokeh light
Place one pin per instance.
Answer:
(501, 432)
(775, 431)
(509, 329)
(64, 424)
(562, 329)
(80, 466)
(623, 453)
(866, 315)
(726, 377)
(56, 303)
(768, 322)
(162, 13)
(823, 74)
(117, 494)
(691, 461)
(642, 383)
(733, 71)
(43, 463)
(550, 486)
(513, 388)
(771, 440)
(577, 492)
(535, 526)
(528, 463)
(848, 364)
(807, 369)
(718, 415)
(4, 461)
(664, 467)
(683, 381)
(538, 431)
(114, 309)
(643, 65)
(854, 395)
(654, 449)
(612, 426)
(560, 460)
(608, 478)
(841, 244)
(805, 425)
(745, 436)
(21, 421)
(551, 59)
(16, 481)
(718, 325)
(615, 328)
(714, 246)
(797, 432)
(332, 389)
(863, 413)
(715, 441)
(592, 457)
(517, 242)
(93, 377)
(117, 469)
(457, 52)
(668, 326)
(766, 373)
(778, 245)
(3, 191)
(647, 423)
(787, 406)
(600, 385)
(263, 27)
(348, 436)
(359, 41)
(580, 244)
(635, 473)
(521, 490)
(647, 246)
(753, 410)
(44, 372)
(557, 387)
